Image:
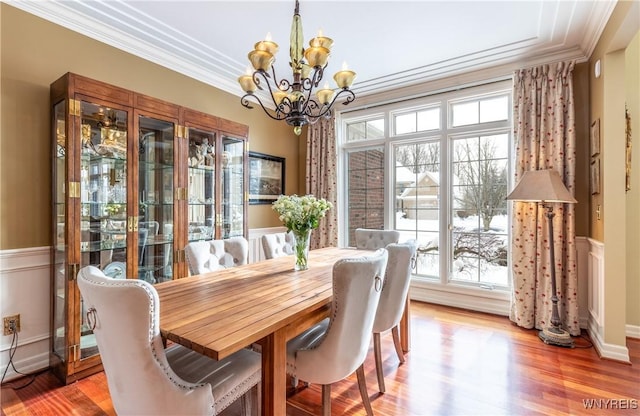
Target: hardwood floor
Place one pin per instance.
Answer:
(461, 363)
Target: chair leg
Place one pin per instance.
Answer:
(326, 400)
(362, 384)
(396, 343)
(378, 356)
(245, 402)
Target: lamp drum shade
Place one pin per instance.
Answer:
(541, 186)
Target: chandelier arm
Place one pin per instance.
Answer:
(326, 109)
(317, 76)
(351, 96)
(283, 84)
(271, 88)
(310, 107)
(257, 81)
(246, 103)
(307, 106)
(245, 100)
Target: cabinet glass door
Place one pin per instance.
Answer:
(156, 199)
(233, 194)
(202, 185)
(103, 199)
(60, 281)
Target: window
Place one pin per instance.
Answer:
(448, 169)
(417, 201)
(363, 130)
(415, 121)
(479, 217)
(480, 111)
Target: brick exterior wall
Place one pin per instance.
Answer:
(366, 191)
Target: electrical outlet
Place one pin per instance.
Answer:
(11, 322)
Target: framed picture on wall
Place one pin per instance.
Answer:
(595, 137)
(266, 178)
(595, 177)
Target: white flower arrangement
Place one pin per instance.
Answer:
(301, 213)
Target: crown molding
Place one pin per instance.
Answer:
(119, 24)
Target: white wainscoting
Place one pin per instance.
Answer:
(582, 252)
(596, 306)
(25, 290)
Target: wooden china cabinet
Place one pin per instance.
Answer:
(134, 180)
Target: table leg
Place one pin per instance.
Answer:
(405, 331)
(274, 361)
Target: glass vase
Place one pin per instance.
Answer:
(301, 249)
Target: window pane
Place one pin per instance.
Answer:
(417, 121)
(366, 191)
(363, 130)
(375, 129)
(465, 114)
(479, 216)
(417, 193)
(494, 109)
(355, 132)
(429, 119)
(405, 123)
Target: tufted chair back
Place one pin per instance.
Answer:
(370, 239)
(396, 285)
(141, 374)
(393, 299)
(278, 244)
(325, 358)
(212, 255)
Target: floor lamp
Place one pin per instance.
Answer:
(545, 187)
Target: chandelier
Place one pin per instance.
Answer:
(293, 100)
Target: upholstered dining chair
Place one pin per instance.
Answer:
(393, 298)
(143, 377)
(278, 244)
(335, 348)
(212, 255)
(371, 239)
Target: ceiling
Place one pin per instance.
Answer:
(388, 43)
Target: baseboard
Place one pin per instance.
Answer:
(633, 331)
(608, 351)
(29, 365)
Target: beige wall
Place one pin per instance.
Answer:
(34, 53)
(581, 104)
(608, 94)
(632, 99)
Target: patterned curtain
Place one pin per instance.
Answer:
(322, 178)
(544, 132)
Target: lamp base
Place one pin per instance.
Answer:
(556, 336)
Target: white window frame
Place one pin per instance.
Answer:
(450, 293)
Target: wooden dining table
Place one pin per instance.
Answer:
(269, 303)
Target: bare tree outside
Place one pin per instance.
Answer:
(423, 157)
(482, 177)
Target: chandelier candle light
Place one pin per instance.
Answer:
(301, 214)
(293, 100)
